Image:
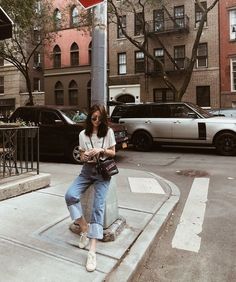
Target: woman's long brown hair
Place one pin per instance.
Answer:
(103, 127)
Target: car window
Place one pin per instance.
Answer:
(180, 111)
(25, 114)
(49, 117)
(160, 111)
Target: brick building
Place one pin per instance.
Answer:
(68, 59)
(227, 26)
(133, 78)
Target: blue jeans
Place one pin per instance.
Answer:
(88, 176)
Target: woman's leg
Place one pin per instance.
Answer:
(97, 218)
(72, 198)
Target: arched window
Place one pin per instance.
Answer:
(73, 93)
(74, 55)
(74, 16)
(56, 57)
(90, 53)
(126, 98)
(57, 19)
(89, 93)
(59, 93)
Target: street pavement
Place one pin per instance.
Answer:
(37, 245)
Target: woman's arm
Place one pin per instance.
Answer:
(109, 152)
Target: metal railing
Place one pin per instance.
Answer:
(169, 25)
(19, 150)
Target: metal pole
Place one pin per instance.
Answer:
(99, 55)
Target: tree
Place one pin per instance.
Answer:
(141, 8)
(32, 25)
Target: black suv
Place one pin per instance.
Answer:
(58, 134)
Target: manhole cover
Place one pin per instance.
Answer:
(192, 172)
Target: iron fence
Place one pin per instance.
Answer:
(19, 150)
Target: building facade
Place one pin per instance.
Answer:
(134, 78)
(67, 72)
(227, 26)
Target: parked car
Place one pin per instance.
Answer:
(227, 112)
(58, 134)
(176, 123)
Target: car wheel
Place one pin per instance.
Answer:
(74, 154)
(142, 141)
(226, 144)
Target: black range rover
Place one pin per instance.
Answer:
(58, 134)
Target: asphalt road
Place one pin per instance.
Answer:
(199, 241)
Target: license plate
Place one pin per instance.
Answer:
(124, 145)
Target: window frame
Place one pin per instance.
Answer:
(158, 20)
(232, 74)
(198, 11)
(56, 56)
(139, 61)
(122, 64)
(202, 56)
(179, 20)
(138, 28)
(232, 26)
(179, 59)
(74, 54)
(124, 25)
(1, 85)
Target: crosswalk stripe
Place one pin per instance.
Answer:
(190, 225)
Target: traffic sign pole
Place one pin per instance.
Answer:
(99, 55)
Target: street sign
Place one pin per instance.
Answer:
(90, 3)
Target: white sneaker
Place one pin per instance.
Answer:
(83, 240)
(91, 261)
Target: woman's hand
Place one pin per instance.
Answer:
(95, 152)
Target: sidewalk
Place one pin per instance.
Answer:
(36, 244)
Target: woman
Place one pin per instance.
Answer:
(96, 141)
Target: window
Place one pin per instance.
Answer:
(57, 19)
(1, 61)
(199, 13)
(37, 35)
(73, 93)
(122, 63)
(90, 53)
(179, 55)
(74, 55)
(37, 60)
(203, 96)
(37, 84)
(138, 28)
(48, 118)
(139, 62)
(179, 16)
(232, 27)
(158, 20)
(74, 16)
(56, 57)
(202, 56)
(159, 54)
(59, 93)
(123, 23)
(160, 111)
(163, 95)
(1, 84)
(233, 74)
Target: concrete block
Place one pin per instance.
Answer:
(111, 207)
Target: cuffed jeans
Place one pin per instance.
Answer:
(87, 177)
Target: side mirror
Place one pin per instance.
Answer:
(192, 115)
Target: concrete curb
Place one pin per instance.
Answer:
(19, 186)
(128, 268)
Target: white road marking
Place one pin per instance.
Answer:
(145, 185)
(190, 226)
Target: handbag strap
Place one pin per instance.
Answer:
(97, 159)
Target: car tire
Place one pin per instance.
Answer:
(142, 141)
(74, 154)
(226, 144)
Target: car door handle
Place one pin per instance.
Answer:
(148, 121)
(177, 121)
